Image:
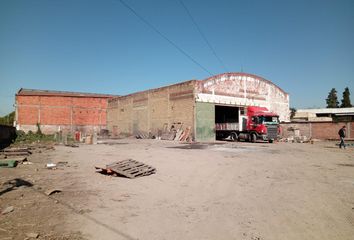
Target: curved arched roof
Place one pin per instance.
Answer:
(236, 74)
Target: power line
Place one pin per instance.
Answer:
(203, 35)
(164, 36)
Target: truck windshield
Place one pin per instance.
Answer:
(269, 119)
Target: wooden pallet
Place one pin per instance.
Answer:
(128, 168)
(15, 152)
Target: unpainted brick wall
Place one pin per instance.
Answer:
(61, 111)
(288, 129)
(317, 130)
(152, 111)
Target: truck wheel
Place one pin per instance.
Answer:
(271, 141)
(248, 138)
(253, 137)
(234, 137)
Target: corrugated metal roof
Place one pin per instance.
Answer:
(37, 92)
(327, 110)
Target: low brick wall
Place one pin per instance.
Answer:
(316, 130)
(51, 129)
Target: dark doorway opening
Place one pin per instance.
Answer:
(226, 114)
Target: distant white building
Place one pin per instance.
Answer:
(324, 115)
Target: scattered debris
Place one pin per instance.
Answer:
(296, 139)
(192, 146)
(346, 164)
(51, 166)
(168, 135)
(175, 133)
(51, 191)
(32, 235)
(8, 163)
(61, 164)
(185, 135)
(88, 139)
(347, 144)
(128, 168)
(16, 152)
(72, 145)
(20, 160)
(142, 135)
(104, 133)
(27, 163)
(7, 210)
(83, 211)
(178, 134)
(314, 140)
(111, 142)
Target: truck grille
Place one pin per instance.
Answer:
(272, 131)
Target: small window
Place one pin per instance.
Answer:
(242, 111)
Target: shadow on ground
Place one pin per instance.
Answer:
(13, 184)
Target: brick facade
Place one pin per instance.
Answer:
(60, 110)
(156, 110)
(152, 111)
(317, 130)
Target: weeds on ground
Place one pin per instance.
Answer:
(32, 137)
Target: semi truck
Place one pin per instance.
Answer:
(246, 123)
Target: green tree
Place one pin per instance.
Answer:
(292, 112)
(346, 99)
(8, 119)
(332, 100)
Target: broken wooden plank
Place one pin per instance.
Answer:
(16, 153)
(16, 149)
(185, 134)
(178, 134)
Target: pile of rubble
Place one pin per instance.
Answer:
(173, 134)
(296, 139)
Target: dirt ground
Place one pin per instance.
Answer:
(202, 191)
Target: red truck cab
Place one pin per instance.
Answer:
(247, 123)
(262, 124)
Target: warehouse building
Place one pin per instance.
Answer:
(324, 115)
(60, 111)
(194, 104)
(319, 123)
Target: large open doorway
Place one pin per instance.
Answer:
(226, 114)
(226, 119)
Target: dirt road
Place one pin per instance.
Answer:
(204, 191)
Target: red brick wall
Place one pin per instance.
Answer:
(28, 115)
(61, 110)
(326, 130)
(87, 116)
(55, 101)
(27, 100)
(54, 115)
(317, 130)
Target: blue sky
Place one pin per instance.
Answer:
(305, 47)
